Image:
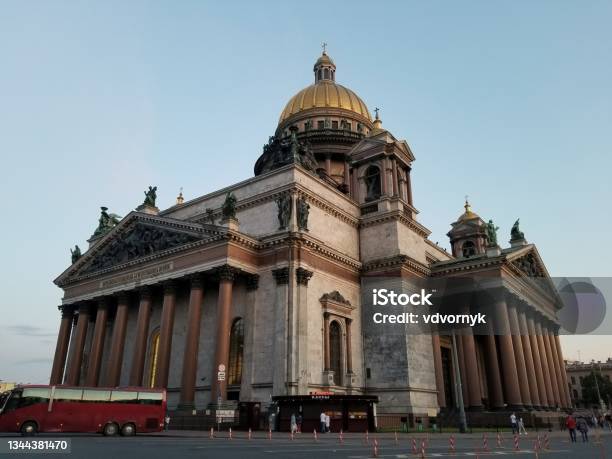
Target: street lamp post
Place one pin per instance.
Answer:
(459, 391)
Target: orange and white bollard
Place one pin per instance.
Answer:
(547, 442)
(422, 448)
(451, 444)
(230, 434)
(367, 437)
(212, 433)
(516, 443)
(341, 437)
(375, 451)
(396, 442)
(250, 433)
(414, 446)
(499, 440)
(291, 436)
(485, 442)
(536, 447)
(269, 434)
(314, 433)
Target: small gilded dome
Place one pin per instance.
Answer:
(468, 214)
(324, 60)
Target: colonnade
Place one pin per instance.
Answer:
(81, 313)
(523, 362)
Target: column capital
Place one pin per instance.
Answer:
(123, 296)
(303, 275)
(348, 321)
(196, 280)
(226, 273)
(84, 308)
(252, 282)
(102, 303)
(67, 310)
(281, 275)
(144, 292)
(169, 286)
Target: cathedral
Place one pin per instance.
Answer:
(258, 294)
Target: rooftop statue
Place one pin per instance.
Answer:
(106, 222)
(76, 253)
(515, 233)
(492, 233)
(229, 206)
(150, 196)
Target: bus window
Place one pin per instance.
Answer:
(68, 395)
(124, 396)
(150, 398)
(96, 395)
(33, 395)
(13, 401)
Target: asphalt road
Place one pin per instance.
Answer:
(198, 445)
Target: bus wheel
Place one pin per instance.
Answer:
(110, 429)
(128, 430)
(29, 428)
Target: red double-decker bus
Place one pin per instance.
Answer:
(110, 411)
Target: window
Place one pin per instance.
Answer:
(150, 398)
(575, 394)
(326, 72)
(154, 354)
(335, 351)
(31, 396)
(573, 380)
(334, 124)
(124, 396)
(468, 249)
(96, 395)
(348, 126)
(235, 352)
(372, 182)
(320, 124)
(68, 395)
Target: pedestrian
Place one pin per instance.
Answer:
(293, 423)
(167, 422)
(322, 419)
(521, 427)
(514, 424)
(299, 423)
(583, 427)
(570, 423)
(327, 423)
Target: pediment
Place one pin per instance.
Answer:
(528, 263)
(138, 237)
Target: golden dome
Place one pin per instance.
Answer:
(325, 94)
(468, 214)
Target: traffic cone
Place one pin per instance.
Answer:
(516, 443)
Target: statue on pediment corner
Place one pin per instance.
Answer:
(229, 206)
(492, 233)
(515, 233)
(150, 196)
(76, 254)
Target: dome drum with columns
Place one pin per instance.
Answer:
(271, 279)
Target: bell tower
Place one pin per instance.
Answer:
(468, 236)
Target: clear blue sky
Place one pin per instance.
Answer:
(508, 102)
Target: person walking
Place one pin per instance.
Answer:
(327, 423)
(167, 422)
(583, 427)
(514, 424)
(521, 427)
(293, 423)
(299, 423)
(570, 423)
(322, 419)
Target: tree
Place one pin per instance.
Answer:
(589, 389)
